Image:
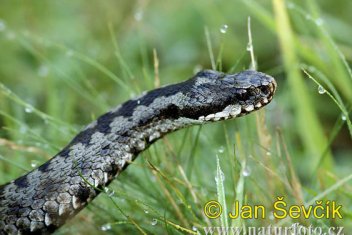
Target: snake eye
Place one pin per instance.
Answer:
(242, 94)
(265, 90)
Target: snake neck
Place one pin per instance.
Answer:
(45, 198)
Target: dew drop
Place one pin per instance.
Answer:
(194, 228)
(154, 222)
(105, 227)
(290, 5)
(2, 25)
(69, 53)
(43, 71)
(249, 47)
(312, 69)
(223, 28)
(268, 153)
(319, 21)
(111, 193)
(46, 121)
(221, 149)
(28, 109)
(220, 178)
(343, 117)
(282, 168)
(138, 15)
(146, 211)
(321, 90)
(308, 17)
(246, 171)
(106, 190)
(23, 129)
(34, 163)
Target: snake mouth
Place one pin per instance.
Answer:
(262, 100)
(241, 108)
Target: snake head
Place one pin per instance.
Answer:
(218, 96)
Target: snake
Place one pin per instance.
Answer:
(44, 199)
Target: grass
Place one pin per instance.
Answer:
(63, 65)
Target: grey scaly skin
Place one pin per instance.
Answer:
(45, 198)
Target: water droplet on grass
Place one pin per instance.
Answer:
(105, 227)
(23, 129)
(221, 149)
(249, 47)
(223, 28)
(46, 121)
(138, 15)
(43, 71)
(246, 171)
(28, 109)
(319, 21)
(194, 228)
(343, 117)
(112, 193)
(146, 211)
(154, 222)
(220, 178)
(34, 163)
(321, 90)
(308, 17)
(290, 5)
(69, 53)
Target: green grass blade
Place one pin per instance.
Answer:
(307, 122)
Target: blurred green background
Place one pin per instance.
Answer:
(64, 63)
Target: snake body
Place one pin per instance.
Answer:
(42, 200)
